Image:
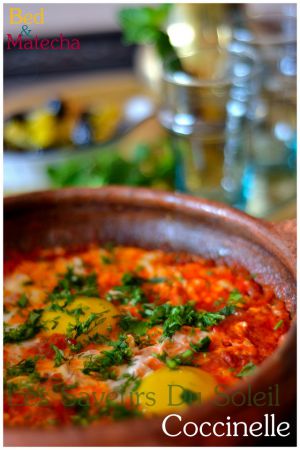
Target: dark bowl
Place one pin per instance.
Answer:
(153, 219)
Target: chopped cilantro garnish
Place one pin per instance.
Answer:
(174, 317)
(23, 301)
(130, 384)
(24, 331)
(186, 357)
(177, 360)
(118, 411)
(235, 297)
(81, 405)
(188, 396)
(59, 357)
(177, 317)
(278, 325)
(209, 319)
(102, 364)
(227, 310)
(246, 370)
(85, 327)
(72, 285)
(132, 325)
(130, 292)
(106, 259)
(24, 367)
(76, 347)
(156, 314)
(201, 346)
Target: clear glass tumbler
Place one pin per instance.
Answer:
(204, 106)
(273, 113)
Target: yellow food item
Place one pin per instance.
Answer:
(80, 311)
(167, 390)
(41, 129)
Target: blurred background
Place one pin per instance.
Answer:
(193, 98)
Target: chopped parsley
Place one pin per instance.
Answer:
(24, 331)
(24, 367)
(72, 285)
(130, 384)
(106, 260)
(278, 325)
(156, 314)
(186, 357)
(76, 347)
(119, 411)
(81, 405)
(59, 357)
(85, 327)
(188, 396)
(177, 317)
(121, 353)
(235, 298)
(174, 317)
(201, 346)
(209, 319)
(246, 370)
(23, 301)
(130, 292)
(131, 325)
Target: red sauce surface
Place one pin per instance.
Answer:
(246, 336)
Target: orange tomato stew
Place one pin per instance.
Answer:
(107, 333)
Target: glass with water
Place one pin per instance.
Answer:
(204, 107)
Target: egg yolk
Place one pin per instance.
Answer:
(166, 390)
(79, 311)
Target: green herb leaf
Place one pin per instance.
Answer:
(59, 358)
(24, 367)
(246, 370)
(145, 25)
(106, 259)
(85, 327)
(132, 325)
(235, 297)
(174, 317)
(188, 396)
(130, 384)
(130, 292)
(23, 301)
(25, 331)
(110, 168)
(278, 325)
(72, 285)
(120, 354)
(201, 346)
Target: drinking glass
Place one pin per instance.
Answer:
(204, 107)
(273, 112)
